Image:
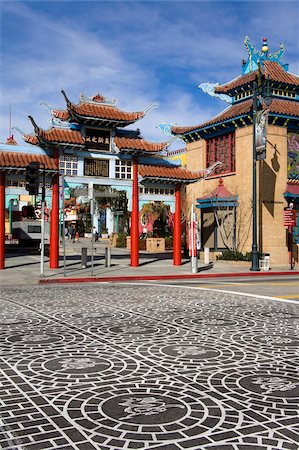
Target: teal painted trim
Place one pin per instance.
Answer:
(288, 195)
(215, 202)
(215, 125)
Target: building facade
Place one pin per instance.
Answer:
(225, 199)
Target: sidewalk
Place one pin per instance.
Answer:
(25, 268)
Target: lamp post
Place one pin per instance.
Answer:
(266, 97)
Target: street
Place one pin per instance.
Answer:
(131, 366)
(285, 287)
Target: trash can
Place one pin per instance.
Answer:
(264, 261)
(83, 257)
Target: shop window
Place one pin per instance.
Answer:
(222, 148)
(123, 169)
(68, 165)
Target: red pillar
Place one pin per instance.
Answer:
(54, 224)
(177, 235)
(2, 220)
(135, 217)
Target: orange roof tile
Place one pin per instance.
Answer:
(278, 106)
(100, 111)
(233, 111)
(165, 172)
(61, 114)
(106, 112)
(219, 192)
(275, 72)
(21, 160)
(239, 81)
(138, 144)
(270, 69)
(287, 107)
(56, 135)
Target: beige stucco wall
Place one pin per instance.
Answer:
(271, 185)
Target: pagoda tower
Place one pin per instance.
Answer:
(228, 137)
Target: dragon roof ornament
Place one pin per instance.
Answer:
(150, 106)
(97, 99)
(50, 108)
(256, 56)
(209, 88)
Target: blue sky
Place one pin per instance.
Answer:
(137, 52)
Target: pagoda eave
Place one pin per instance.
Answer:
(169, 180)
(136, 152)
(96, 121)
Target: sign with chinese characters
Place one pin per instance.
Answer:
(97, 139)
(96, 167)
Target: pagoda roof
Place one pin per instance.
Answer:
(171, 174)
(21, 160)
(220, 192)
(278, 106)
(98, 111)
(270, 69)
(54, 136)
(229, 113)
(219, 196)
(127, 144)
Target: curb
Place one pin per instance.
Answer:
(163, 277)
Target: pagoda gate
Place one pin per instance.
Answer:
(92, 134)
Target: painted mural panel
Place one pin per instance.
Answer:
(293, 154)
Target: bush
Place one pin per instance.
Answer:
(234, 255)
(121, 240)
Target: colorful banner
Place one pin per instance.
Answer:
(261, 134)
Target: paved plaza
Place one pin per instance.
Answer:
(118, 367)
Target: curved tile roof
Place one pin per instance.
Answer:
(138, 144)
(270, 69)
(99, 111)
(21, 160)
(220, 192)
(56, 135)
(286, 107)
(231, 112)
(174, 173)
(278, 106)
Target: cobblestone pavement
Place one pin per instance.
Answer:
(115, 367)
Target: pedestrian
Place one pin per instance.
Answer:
(95, 235)
(77, 236)
(71, 233)
(66, 233)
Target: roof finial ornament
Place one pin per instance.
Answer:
(150, 106)
(265, 47)
(68, 102)
(36, 128)
(255, 55)
(22, 133)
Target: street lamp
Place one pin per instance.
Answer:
(258, 94)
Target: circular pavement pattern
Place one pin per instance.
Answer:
(77, 366)
(261, 388)
(149, 413)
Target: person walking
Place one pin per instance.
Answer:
(95, 235)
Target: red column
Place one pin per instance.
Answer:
(2, 220)
(54, 224)
(177, 235)
(135, 217)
